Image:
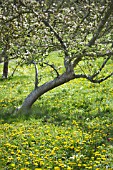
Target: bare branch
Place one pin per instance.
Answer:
(97, 54)
(53, 67)
(91, 79)
(56, 34)
(100, 80)
(78, 59)
(101, 68)
(36, 74)
(15, 69)
(67, 63)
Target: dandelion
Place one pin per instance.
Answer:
(35, 163)
(79, 165)
(12, 153)
(18, 158)
(56, 168)
(12, 165)
(10, 158)
(41, 163)
(31, 154)
(27, 163)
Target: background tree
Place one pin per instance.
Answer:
(15, 31)
(80, 30)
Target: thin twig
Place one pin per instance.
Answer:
(14, 70)
(53, 67)
(36, 74)
(102, 66)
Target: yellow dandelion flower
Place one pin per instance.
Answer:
(12, 153)
(41, 163)
(13, 165)
(56, 168)
(79, 164)
(35, 163)
(27, 163)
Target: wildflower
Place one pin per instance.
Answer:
(35, 163)
(79, 164)
(13, 165)
(18, 158)
(10, 158)
(27, 163)
(12, 153)
(56, 168)
(41, 163)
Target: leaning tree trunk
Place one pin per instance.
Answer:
(39, 91)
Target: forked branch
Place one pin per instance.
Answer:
(53, 67)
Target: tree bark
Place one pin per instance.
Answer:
(39, 91)
(5, 67)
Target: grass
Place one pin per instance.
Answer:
(69, 128)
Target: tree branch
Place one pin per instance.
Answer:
(97, 54)
(101, 68)
(36, 74)
(56, 34)
(100, 80)
(14, 69)
(101, 25)
(53, 67)
(96, 35)
(90, 78)
(67, 63)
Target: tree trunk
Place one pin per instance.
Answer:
(5, 67)
(39, 91)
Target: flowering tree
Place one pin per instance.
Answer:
(82, 31)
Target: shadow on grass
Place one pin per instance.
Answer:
(54, 115)
(44, 113)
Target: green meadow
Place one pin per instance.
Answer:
(68, 128)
